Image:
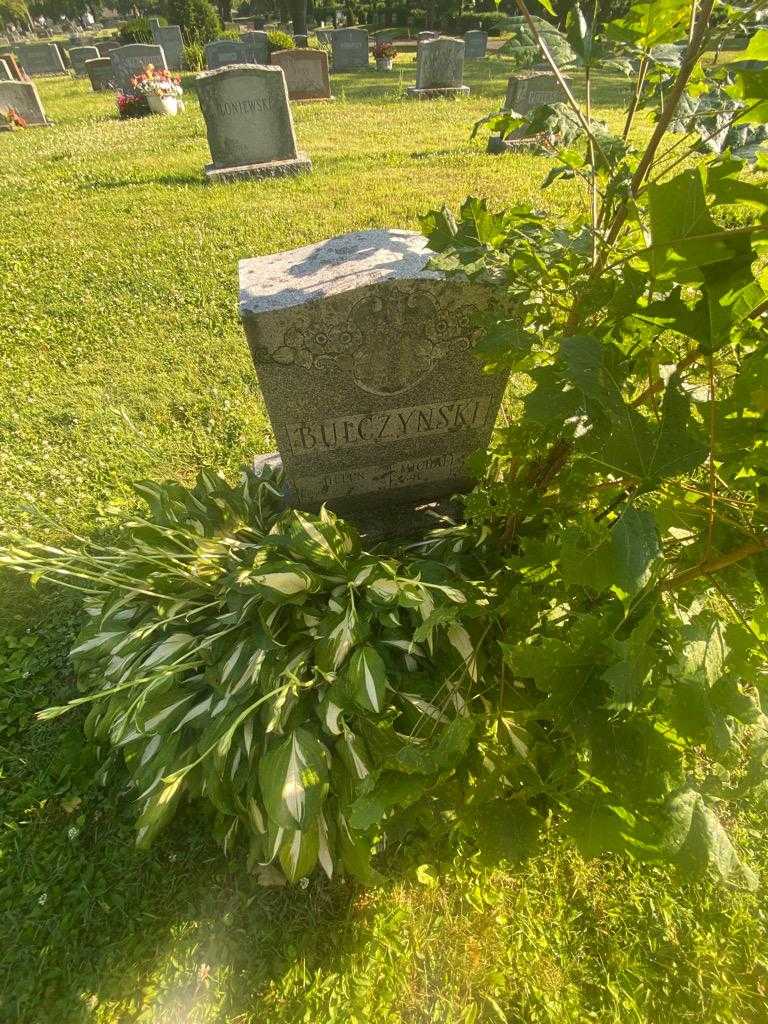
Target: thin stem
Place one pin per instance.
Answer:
(593, 174)
(712, 470)
(635, 103)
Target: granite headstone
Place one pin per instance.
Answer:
(131, 60)
(475, 44)
(424, 37)
(365, 361)
(527, 90)
(78, 55)
(24, 99)
(350, 49)
(5, 72)
(221, 52)
(258, 47)
(439, 69)
(172, 42)
(306, 73)
(99, 71)
(249, 123)
(17, 73)
(40, 59)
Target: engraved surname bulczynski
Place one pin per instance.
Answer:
(392, 425)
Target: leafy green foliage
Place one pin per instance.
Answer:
(277, 40)
(199, 20)
(137, 30)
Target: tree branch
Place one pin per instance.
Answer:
(756, 547)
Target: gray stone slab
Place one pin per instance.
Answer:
(475, 44)
(99, 72)
(5, 72)
(424, 37)
(78, 55)
(527, 90)
(222, 52)
(258, 47)
(107, 47)
(24, 99)
(366, 364)
(130, 60)
(249, 123)
(350, 49)
(440, 64)
(17, 73)
(306, 73)
(40, 59)
(172, 42)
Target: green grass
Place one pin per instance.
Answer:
(121, 358)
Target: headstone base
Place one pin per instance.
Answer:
(275, 169)
(431, 94)
(381, 522)
(312, 99)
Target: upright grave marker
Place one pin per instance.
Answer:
(24, 99)
(258, 47)
(350, 49)
(5, 72)
(475, 44)
(78, 55)
(249, 124)
(439, 69)
(529, 89)
(99, 71)
(172, 42)
(131, 60)
(107, 47)
(424, 37)
(17, 73)
(365, 360)
(40, 59)
(221, 52)
(306, 73)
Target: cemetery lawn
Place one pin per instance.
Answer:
(122, 358)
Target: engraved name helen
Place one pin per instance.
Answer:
(392, 425)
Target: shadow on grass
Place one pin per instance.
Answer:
(158, 179)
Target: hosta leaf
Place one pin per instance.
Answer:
(356, 854)
(298, 852)
(281, 581)
(158, 809)
(353, 754)
(322, 539)
(343, 632)
(387, 791)
(367, 677)
(696, 839)
(293, 780)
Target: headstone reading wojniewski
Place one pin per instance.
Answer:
(172, 42)
(39, 59)
(24, 99)
(366, 364)
(99, 71)
(221, 52)
(258, 47)
(306, 73)
(475, 44)
(249, 124)
(78, 55)
(439, 69)
(131, 60)
(527, 90)
(350, 49)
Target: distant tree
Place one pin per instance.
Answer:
(198, 19)
(14, 12)
(298, 10)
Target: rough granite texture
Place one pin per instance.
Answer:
(78, 55)
(274, 169)
(258, 47)
(527, 90)
(366, 366)
(172, 42)
(247, 117)
(24, 99)
(431, 94)
(306, 73)
(40, 59)
(440, 64)
(222, 52)
(131, 60)
(99, 72)
(475, 44)
(350, 49)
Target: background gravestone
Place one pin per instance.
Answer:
(39, 59)
(99, 71)
(365, 361)
(5, 72)
(107, 46)
(258, 47)
(439, 69)
(350, 49)
(16, 72)
(423, 37)
(24, 99)
(221, 52)
(475, 44)
(306, 73)
(172, 42)
(130, 60)
(78, 55)
(249, 124)
(529, 89)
